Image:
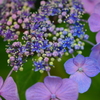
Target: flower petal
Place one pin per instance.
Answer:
(53, 83)
(97, 8)
(93, 22)
(1, 2)
(0, 98)
(38, 92)
(79, 60)
(68, 90)
(70, 67)
(98, 60)
(83, 81)
(95, 53)
(9, 90)
(97, 46)
(98, 37)
(89, 5)
(91, 67)
(1, 82)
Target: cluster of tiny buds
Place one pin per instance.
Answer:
(43, 34)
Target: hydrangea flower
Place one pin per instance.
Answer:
(53, 88)
(94, 19)
(89, 5)
(96, 53)
(8, 89)
(81, 69)
(94, 22)
(42, 36)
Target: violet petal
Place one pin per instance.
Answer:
(79, 60)
(70, 67)
(98, 37)
(38, 92)
(53, 83)
(9, 90)
(1, 82)
(97, 8)
(93, 21)
(95, 54)
(83, 81)
(89, 5)
(91, 67)
(68, 90)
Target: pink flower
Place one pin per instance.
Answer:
(8, 89)
(53, 88)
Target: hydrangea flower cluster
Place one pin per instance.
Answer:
(44, 37)
(55, 30)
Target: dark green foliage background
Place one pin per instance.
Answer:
(27, 77)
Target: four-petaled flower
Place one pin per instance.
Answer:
(53, 88)
(81, 69)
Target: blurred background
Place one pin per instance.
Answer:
(26, 78)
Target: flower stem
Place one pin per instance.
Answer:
(73, 55)
(48, 73)
(89, 42)
(10, 72)
(84, 20)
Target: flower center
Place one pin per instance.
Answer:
(53, 96)
(80, 69)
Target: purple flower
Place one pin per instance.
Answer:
(94, 19)
(89, 5)
(39, 65)
(96, 53)
(81, 69)
(53, 88)
(94, 22)
(8, 89)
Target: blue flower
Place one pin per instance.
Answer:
(39, 65)
(67, 42)
(36, 46)
(81, 69)
(55, 11)
(45, 44)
